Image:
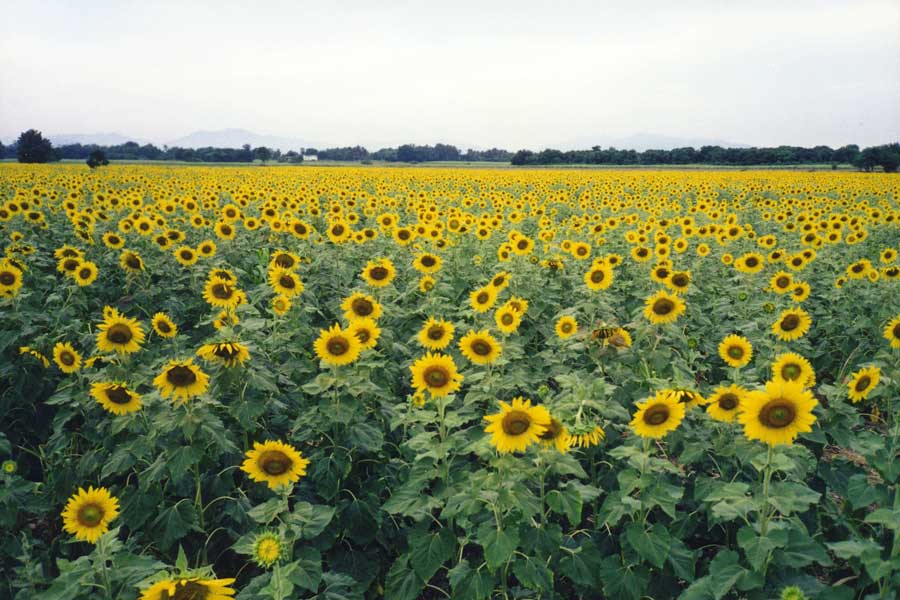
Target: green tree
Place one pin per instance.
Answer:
(32, 147)
(97, 159)
(262, 153)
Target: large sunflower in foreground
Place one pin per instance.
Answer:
(115, 397)
(517, 425)
(229, 354)
(725, 403)
(663, 307)
(480, 347)
(736, 351)
(777, 414)
(436, 334)
(657, 416)
(790, 366)
(792, 324)
(189, 588)
(337, 347)
(892, 332)
(274, 463)
(88, 513)
(182, 380)
(118, 333)
(863, 382)
(436, 373)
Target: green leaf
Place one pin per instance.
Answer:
(788, 497)
(266, 512)
(470, 584)
(308, 520)
(307, 569)
(402, 583)
(366, 436)
(801, 550)
(860, 493)
(724, 573)
(533, 574)
(653, 546)
(498, 545)
(682, 559)
(885, 516)
(280, 586)
(758, 548)
(567, 502)
(853, 548)
(429, 552)
(623, 581)
(582, 564)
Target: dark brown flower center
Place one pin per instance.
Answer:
(284, 260)
(7, 278)
(680, 280)
(226, 229)
(857, 268)
(482, 298)
(736, 352)
(362, 307)
(226, 351)
(403, 234)
(790, 322)
(662, 273)
(566, 327)
(90, 515)
(728, 401)
(190, 590)
(428, 261)
(71, 264)
(751, 261)
(553, 431)
(85, 273)
(435, 332)
(66, 358)
(597, 276)
(187, 254)
(363, 334)
(507, 319)
(119, 334)
(337, 230)
(378, 273)
(163, 326)
(118, 394)
(522, 244)
(481, 347)
(896, 331)
(338, 346)
(287, 282)
(656, 414)
(274, 462)
(777, 413)
(133, 262)
(222, 291)
(436, 376)
(515, 422)
(180, 376)
(791, 372)
(863, 383)
(783, 282)
(663, 306)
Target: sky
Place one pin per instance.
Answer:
(523, 74)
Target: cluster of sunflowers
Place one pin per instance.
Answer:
(497, 362)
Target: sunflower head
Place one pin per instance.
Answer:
(736, 351)
(566, 326)
(725, 403)
(483, 299)
(229, 354)
(274, 463)
(862, 383)
(379, 273)
(88, 513)
(517, 425)
(657, 416)
(361, 305)
(366, 331)
(436, 373)
(336, 346)
(66, 357)
(115, 397)
(480, 347)
(436, 334)
(777, 414)
(663, 307)
(182, 380)
(164, 326)
(118, 333)
(792, 324)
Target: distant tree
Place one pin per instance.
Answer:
(887, 157)
(310, 151)
(32, 147)
(262, 153)
(97, 159)
(845, 154)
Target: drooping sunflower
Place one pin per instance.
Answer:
(164, 326)
(663, 307)
(517, 425)
(88, 513)
(66, 357)
(736, 350)
(725, 403)
(182, 380)
(792, 324)
(556, 436)
(690, 398)
(365, 330)
(221, 293)
(118, 333)
(436, 373)
(619, 339)
(777, 414)
(86, 273)
(274, 463)
(115, 397)
(862, 383)
(189, 588)
(892, 332)
(588, 437)
(285, 282)
(658, 415)
(35, 354)
(435, 334)
(480, 347)
(483, 299)
(360, 305)
(790, 366)
(566, 326)
(228, 354)
(337, 347)
(598, 277)
(379, 273)
(507, 319)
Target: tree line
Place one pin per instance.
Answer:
(33, 147)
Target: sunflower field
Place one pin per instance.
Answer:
(359, 383)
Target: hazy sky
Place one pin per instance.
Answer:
(513, 74)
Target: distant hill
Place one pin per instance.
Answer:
(646, 141)
(101, 139)
(235, 138)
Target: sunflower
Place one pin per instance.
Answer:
(793, 367)
(427, 263)
(88, 513)
(366, 331)
(679, 281)
(68, 266)
(426, 283)
(500, 280)
(778, 413)
(566, 326)
(268, 549)
(435, 334)
(480, 347)
(118, 333)
(34, 353)
(115, 397)
(274, 463)
(792, 324)
(483, 298)
(690, 398)
(131, 261)
(189, 588)
(725, 403)
(229, 354)
(281, 305)
(337, 347)
(66, 357)
(361, 305)
(599, 277)
(863, 382)
(221, 293)
(663, 307)
(507, 319)
(206, 249)
(285, 282)
(85, 274)
(186, 255)
(285, 260)
(520, 305)
(182, 380)
(751, 262)
(517, 425)
(589, 437)
(620, 338)
(892, 332)
(782, 282)
(556, 436)
(379, 273)
(10, 279)
(163, 325)
(436, 373)
(736, 351)
(657, 416)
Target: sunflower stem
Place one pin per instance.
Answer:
(767, 477)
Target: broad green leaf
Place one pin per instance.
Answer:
(428, 552)
(653, 545)
(498, 545)
(402, 583)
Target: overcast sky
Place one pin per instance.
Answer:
(520, 74)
